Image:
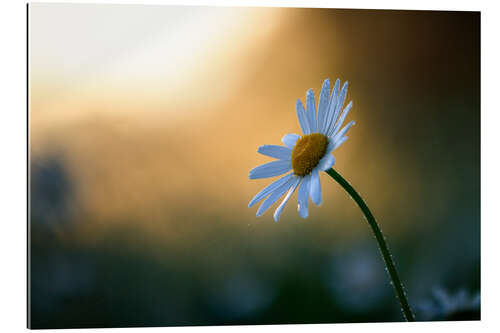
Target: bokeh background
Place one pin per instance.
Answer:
(144, 123)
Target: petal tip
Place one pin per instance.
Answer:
(277, 213)
(251, 175)
(316, 201)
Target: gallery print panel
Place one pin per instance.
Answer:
(244, 165)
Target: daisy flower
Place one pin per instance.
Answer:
(304, 155)
(309, 154)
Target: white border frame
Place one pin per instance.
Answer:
(14, 184)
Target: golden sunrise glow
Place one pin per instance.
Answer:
(114, 59)
(151, 105)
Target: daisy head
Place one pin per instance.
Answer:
(305, 156)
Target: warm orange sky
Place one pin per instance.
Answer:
(153, 58)
(159, 110)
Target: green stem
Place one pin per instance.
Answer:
(396, 282)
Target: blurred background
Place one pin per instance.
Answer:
(144, 124)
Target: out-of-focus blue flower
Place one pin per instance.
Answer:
(356, 279)
(240, 295)
(52, 192)
(447, 306)
(61, 277)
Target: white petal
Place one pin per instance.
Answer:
(303, 197)
(324, 100)
(267, 190)
(311, 111)
(331, 146)
(326, 162)
(342, 96)
(331, 107)
(278, 210)
(315, 190)
(335, 92)
(270, 169)
(275, 196)
(280, 152)
(336, 143)
(341, 120)
(338, 107)
(343, 131)
(301, 115)
(290, 140)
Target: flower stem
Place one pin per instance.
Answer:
(396, 282)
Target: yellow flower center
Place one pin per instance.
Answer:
(307, 153)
